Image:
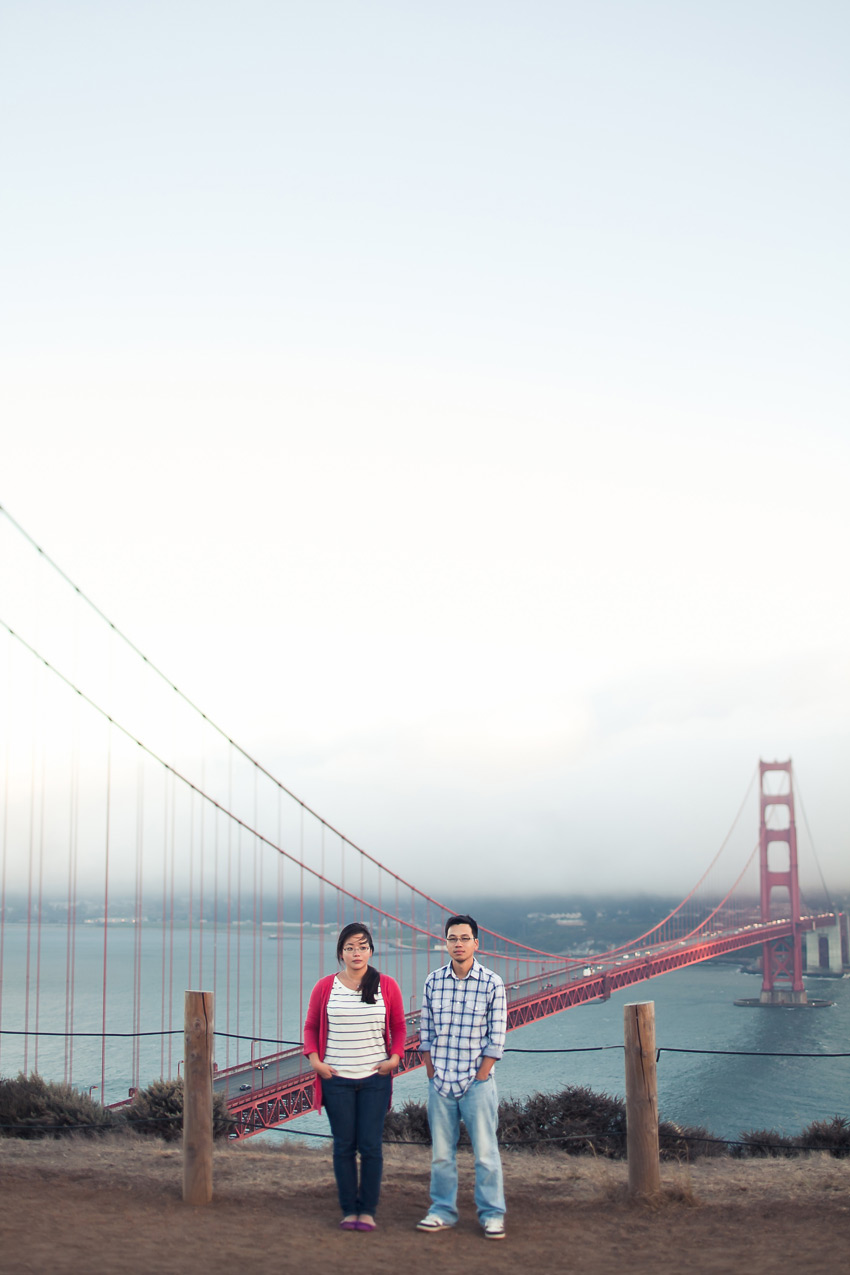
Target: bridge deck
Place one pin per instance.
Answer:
(286, 1081)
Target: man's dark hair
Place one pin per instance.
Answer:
(463, 920)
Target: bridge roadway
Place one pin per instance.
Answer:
(278, 1087)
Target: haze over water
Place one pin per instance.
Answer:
(726, 1093)
(694, 1010)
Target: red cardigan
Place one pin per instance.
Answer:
(316, 1023)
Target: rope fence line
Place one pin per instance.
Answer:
(743, 1053)
(613, 1138)
(510, 1049)
(410, 1142)
(169, 1031)
(574, 1137)
(576, 1049)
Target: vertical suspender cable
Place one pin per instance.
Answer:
(172, 857)
(191, 889)
(429, 941)
(256, 1013)
(279, 950)
(216, 822)
(29, 887)
(139, 914)
(322, 906)
(398, 938)
(164, 916)
(201, 879)
(239, 937)
(108, 831)
(259, 851)
(71, 931)
(229, 895)
(73, 847)
(40, 892)
(5, 846)
(414, 937)
(301, 933)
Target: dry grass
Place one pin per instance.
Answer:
(114, 1204)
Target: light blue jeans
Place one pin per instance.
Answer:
(479, 1110)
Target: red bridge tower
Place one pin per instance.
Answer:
(782, 959)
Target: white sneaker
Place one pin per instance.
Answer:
(494, 1229)
(433, 1223)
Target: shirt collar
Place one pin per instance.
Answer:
(475, 971)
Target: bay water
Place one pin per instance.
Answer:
(750, 1082)
(747, 1078)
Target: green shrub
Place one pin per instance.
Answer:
(409, 1124)
(575, 1120)
(829, 1135)
(158, 1110)
(31, 1107)
(686, 1142)
(766, 1143)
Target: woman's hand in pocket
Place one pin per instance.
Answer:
(388, 1066)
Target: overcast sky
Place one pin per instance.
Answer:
(451, 398)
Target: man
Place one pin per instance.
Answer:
(462, 1033)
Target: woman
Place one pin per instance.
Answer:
(354, 1037)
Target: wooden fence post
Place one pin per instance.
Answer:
(197, 1098)
(641, 1100)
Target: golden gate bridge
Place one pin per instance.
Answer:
(145, 852)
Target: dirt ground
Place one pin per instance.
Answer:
(116, 1206)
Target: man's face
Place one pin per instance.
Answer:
(461, 943)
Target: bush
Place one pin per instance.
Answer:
(410, 1124)
(686, 1142)
(578, 1121)
(765, 1143)
(575, 1120)
(158, 1110)
(829, 1135)
(34, 1108)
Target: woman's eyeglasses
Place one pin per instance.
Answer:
(364, 947)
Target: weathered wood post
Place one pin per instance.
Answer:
(641, 1100)
(197, 1097)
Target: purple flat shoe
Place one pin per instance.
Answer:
(365, 1226)
(349, 1226)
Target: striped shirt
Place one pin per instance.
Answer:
(463, 1020)
(355, 1033)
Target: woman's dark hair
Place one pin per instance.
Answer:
(370, 981)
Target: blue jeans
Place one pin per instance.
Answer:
(356, 1110)
(479, 1110)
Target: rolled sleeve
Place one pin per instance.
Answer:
(498, 1022)
(426, 1022)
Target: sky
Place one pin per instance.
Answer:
(451, 399)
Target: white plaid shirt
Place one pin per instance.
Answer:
(463, 1020)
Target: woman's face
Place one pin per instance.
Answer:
(355, 955)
